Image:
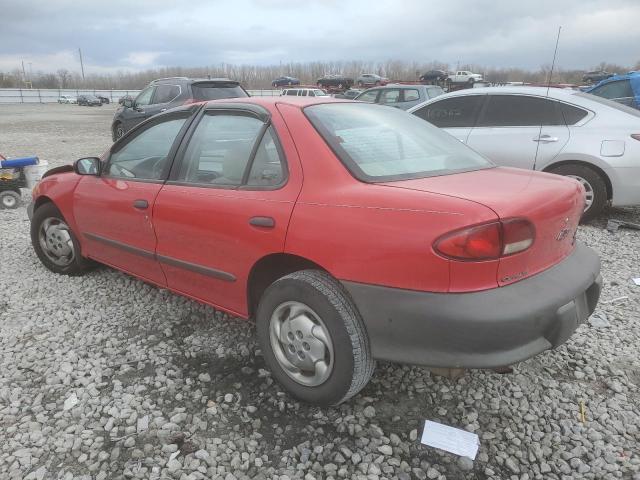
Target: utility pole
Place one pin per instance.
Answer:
(81, 64)
(24, 74)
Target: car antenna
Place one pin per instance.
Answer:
(553, 64)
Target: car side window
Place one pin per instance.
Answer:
(369, 96)
(219, 150)
(390, 95)
(144, 98)
(267, 169)
(572, 114)
(411, 95)
(519, 111)
(165, 93)
(452, 112)
(614, 90)
(145, 156)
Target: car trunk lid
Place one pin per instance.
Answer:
(553, 204)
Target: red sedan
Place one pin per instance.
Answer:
(350, 232)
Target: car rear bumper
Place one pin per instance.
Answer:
(486, 329)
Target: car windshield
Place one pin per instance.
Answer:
(379, 144)
(215, 91)
(609, 103)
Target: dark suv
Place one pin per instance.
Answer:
(166, 93)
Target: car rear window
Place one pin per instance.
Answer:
(215, 90)
(379, 144)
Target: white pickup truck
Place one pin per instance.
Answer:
(464, 76)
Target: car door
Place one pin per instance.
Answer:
(138, 113)
(455, 115)
(227, 204)
(162, 98)
(370, 96)
(113, 211)
(518, 130)
(410, 98)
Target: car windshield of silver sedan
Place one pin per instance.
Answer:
(379, 144)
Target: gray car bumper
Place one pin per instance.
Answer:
(491, 328)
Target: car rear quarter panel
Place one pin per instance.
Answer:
(376, 234)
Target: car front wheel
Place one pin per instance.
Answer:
(313, 339)
(118, 131)
(595, 188)
(54, 242)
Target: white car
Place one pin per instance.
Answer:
(67, 99)
(464, 76)
(304, 92)
(594, 140)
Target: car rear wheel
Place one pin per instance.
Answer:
(9, 199)
(313, 339)
(55, 244)
(594, 186)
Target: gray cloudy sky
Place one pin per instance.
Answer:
(140, 34)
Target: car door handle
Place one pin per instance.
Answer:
(264, 222)
(163, 110)
(545, 139)
(140, 204)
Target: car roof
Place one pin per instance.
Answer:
(173, 80)
(553, 92)
(299, 102)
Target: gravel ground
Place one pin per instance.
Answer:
(106, 377)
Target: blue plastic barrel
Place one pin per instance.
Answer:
(18, 162)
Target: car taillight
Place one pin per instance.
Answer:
(489, 241)
(635, 136)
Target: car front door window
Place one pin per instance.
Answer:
(390, 96)
(369, 96)
(145, 156)
(145, 96)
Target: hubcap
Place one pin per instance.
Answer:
(301, 343)
(55, 241)
(588, 189)
(9, 201)
(119, 132)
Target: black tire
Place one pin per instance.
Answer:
(79, 264)
(353, 363)
(594, 179)
(118, 131)
(10, 199)
(471, 81)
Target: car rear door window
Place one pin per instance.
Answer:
(165, 93)
(452, 112)
(203, 91)
(572, 114)
(219, 150)
(390, 95)
(267, 169)
(519, 111)
(145, 156)
(411, 95)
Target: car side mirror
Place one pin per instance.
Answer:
(128, 103)
(87, 166)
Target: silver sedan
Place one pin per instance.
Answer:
(594, 140)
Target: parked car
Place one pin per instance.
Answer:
(624, 89)
(67, 99)
(165, 93)
(103, 99)
(89, 101)
(596, 76)
(350, 94)
(434, 76)
(371, 79)
(303, 92)
(328, 267)
(464, 76)
(283, 81)
(400, 96)
(591, 139)
(339, 82)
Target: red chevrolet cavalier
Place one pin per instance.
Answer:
(350, 232)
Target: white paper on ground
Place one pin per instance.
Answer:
(636, 281)
(451, 439)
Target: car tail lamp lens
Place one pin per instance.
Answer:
(635, 136)
(489, 241)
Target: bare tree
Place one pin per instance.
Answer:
(64, 76)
